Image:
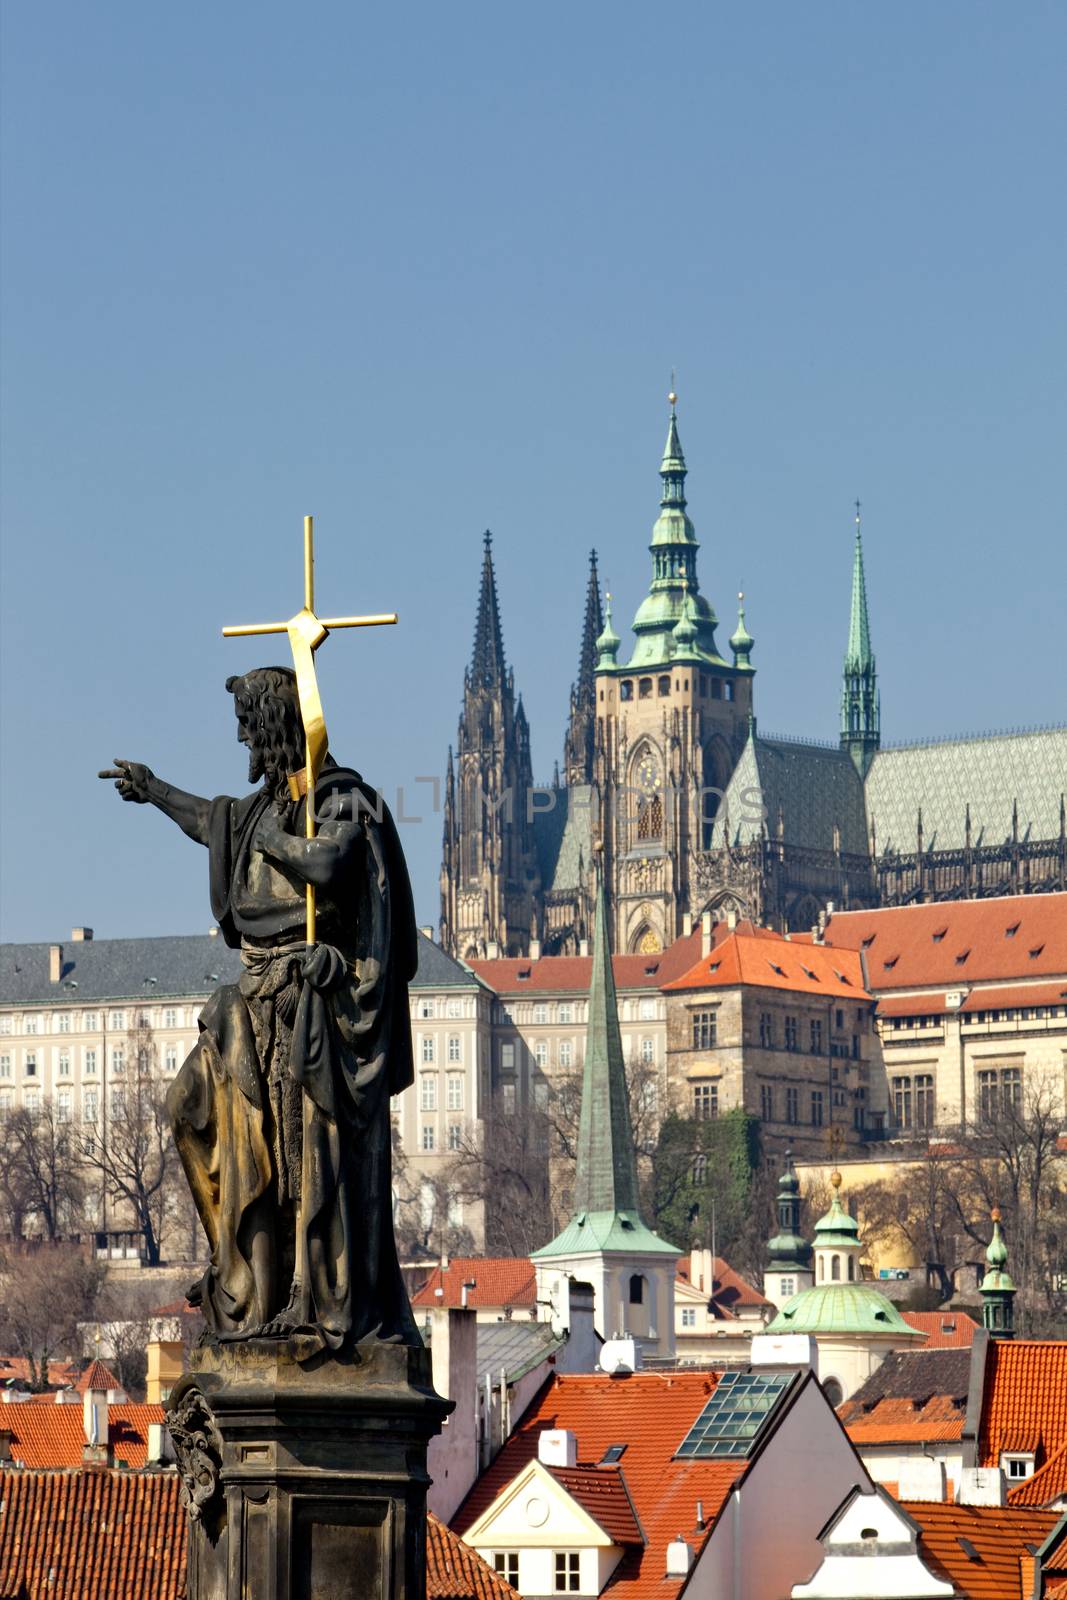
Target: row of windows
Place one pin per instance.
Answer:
(816, 1038)
(428, 1092)
(32, 1061)
(427, 1007)
(720, 688)
(64, 1104)
(1014, 1014)
(566, 1054)
(428, 1048)
(706, 1105)
(835, 1269)
(428, 1137)
(999, 1090)
(33, 1022)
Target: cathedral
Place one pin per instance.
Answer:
(666, 776)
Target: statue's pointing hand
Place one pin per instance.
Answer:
(132, 780)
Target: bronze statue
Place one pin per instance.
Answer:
(281, 1111)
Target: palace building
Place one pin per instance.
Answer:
(665, 770)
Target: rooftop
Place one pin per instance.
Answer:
(986, 1551)
(728, 1293)
(44, 1434)
(944, 1330)
(513, 975)
(1024, 1402)
(769, 961)
(504, 1281)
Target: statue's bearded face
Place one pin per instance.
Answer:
(248, 735)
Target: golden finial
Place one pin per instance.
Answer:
(672, 399)
(994, 1215)
(835, 1179)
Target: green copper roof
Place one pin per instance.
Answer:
(607, 1214)
(858, 657)
(997, 1280)
(741, 641)
(841, 1308)
(787, 1250)
(837, 1228)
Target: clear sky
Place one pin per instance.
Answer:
(426, 269)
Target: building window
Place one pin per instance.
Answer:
(705, 1028)
(816, 1108)
(454, 1008)
(792, 1104)
(568, 1562)
(637, 1289)
(90, 1021)
(455, 1092)
(648, 1052)
(30, 1025)
(791, 1033)
(540, 1013)
(699, 1170)
(170, 1058)
(118, 1061)
(89, 1105)
(705, 1101)
(118, 1105)
(816, 1036)
(63, 1106)
(566, 1052)
(566, 1012)
(5, 1103)
(454, 1131)
(63, 1022)
(90, 1063)
(506, 1563)
(170, 1017)
(924, 1100)
(429, 1139)
(455, 1047)
(429, 1047)
(664, 686)
(766, 1030)
(646, 1010)
(835, 1269)
(541, 1053)
(1000, 1091)
(902, 1108)
(650, 817)
(31, 1101)
(5, 1065)
(5, 1024)
(427, 1092)
(1011, 1088)
(117, 1019)
(787, 1287)
(766, 1102)
(507, 1098)
(31, 1064)
(689, 1317)
(1017, 1467)
(64, 1063)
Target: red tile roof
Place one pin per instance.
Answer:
(83, 1535)
(918, 946)
(912, 1005)
(573, 974)
(1024, 1406)
(499, 1281)
(896, 1420)
(651, 1413)
(1016, 996)
(1047, 1484)
(730, 1291)
(773, 962)
(15, 1372)
(999, 1536)
(53, 1436)
(98, 1377)
(601, 1490)
(944, 1330)
(456, 1572)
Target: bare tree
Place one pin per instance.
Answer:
(46, 1293)
(503, 1163)
(563, 1114)
(44, 1153)
(424, 1207)
(134, 1153)
(14, 1188)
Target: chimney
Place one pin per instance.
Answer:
(557, 1447)
(679, 1557)
(921, 1478)
(702, 1270)
(160, 1449)
(55, 962)
(784, 1350)
(444, 1260)
(981, 1486)
(535, 949)
(492, 950)
(701, 1524)
(731, 917)
(81, 935)
(687, 924)
(427, 932)
(95, 1422)
(706, 928)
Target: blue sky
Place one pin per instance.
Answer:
(422, 270)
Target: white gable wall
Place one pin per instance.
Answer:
(537, 1517)
(870, 1554)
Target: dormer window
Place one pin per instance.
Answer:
(891, 963)
(961, 958)
(1009, 933)
(1017, 1465)
(939, 935)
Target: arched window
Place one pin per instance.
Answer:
(650, 817)
(637, 1289)
(835, 1269)
(644, 688)
(822, 1268)
(851, 1270)
(664, 686)
(833, 1391)
(626, 690)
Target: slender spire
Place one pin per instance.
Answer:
(592, 627)
(578, 751)
(996, 1288)
(487, 659)
(606, 1176)
(860, 705)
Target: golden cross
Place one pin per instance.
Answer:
(306, 632)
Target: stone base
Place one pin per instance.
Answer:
(305, 1482)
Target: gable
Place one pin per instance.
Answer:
(535, 1509)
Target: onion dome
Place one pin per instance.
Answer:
(741, 641)
(607, 644)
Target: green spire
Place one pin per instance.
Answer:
(787, 1250)
(996, 1288)
(606, 1176)
(674, 592)
(608, 643)
(860, 705)
(741, 641)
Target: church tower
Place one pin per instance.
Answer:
(996, 1288)
(579, 745)
(671, 724)
(860, 703)
(489, 880)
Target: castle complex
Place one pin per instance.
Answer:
(693, 809)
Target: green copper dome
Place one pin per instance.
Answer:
(741, 641)
(607, 645)
(837, 1229)
(787, 1251)
(841, 1308)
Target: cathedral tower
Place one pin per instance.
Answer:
(860, 703)
(489, 881)
(578, 747)
(671, 724)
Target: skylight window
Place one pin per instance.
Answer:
(1036, 951)
(939, 935)
(961, 958)
(840, 976)
(968, 1548)
(776, 968)
(1009, 933)
(871, 937)
(734, 1416)
(808, 973)
(613, 1453)
(891, 963)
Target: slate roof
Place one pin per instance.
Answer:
(438, 970)
(182, 965)
(987, 773)
(44, 1434)
(499, 1281)
(563, 837)
(1024, 1403)
(777, 963)
(912, 1375)
(83, 1535)
(919, 946)
(1001, 1567)
(514, 1348)
(650, 1413)
(813, 786)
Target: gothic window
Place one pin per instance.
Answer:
(644, 689)
(650, 817)
(626, 690)
(664, 686)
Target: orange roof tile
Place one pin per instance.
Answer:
(944, 1330)
(651, 1413)
(76, 1535)
(730, 1291)
(98, 1377)
(602, 1492)
(1016, 996)
(573, 974)
(498, 1280)
(1024, 1405)
(15, 1372)
(926, 1004)
(922, 945)
(913, 1432)
(776, 963)
(999, 1536)
(898, 1420)
(53, 1436)
(456, 1572)
(1047, 1484)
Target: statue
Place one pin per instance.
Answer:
(281, 1111)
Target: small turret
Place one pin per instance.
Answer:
(860, 706)
(789, 1255)
(996, 1288)
(608, 643)
(837, 1241)
(741, 641)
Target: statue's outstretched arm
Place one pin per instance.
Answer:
(138, 783)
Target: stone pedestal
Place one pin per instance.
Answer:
(305, 1482)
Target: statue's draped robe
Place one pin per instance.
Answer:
(282, 1108)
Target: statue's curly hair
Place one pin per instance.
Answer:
(269, 697)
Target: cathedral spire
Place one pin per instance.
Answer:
(581, 727)
(487, 658)
(860, 704)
